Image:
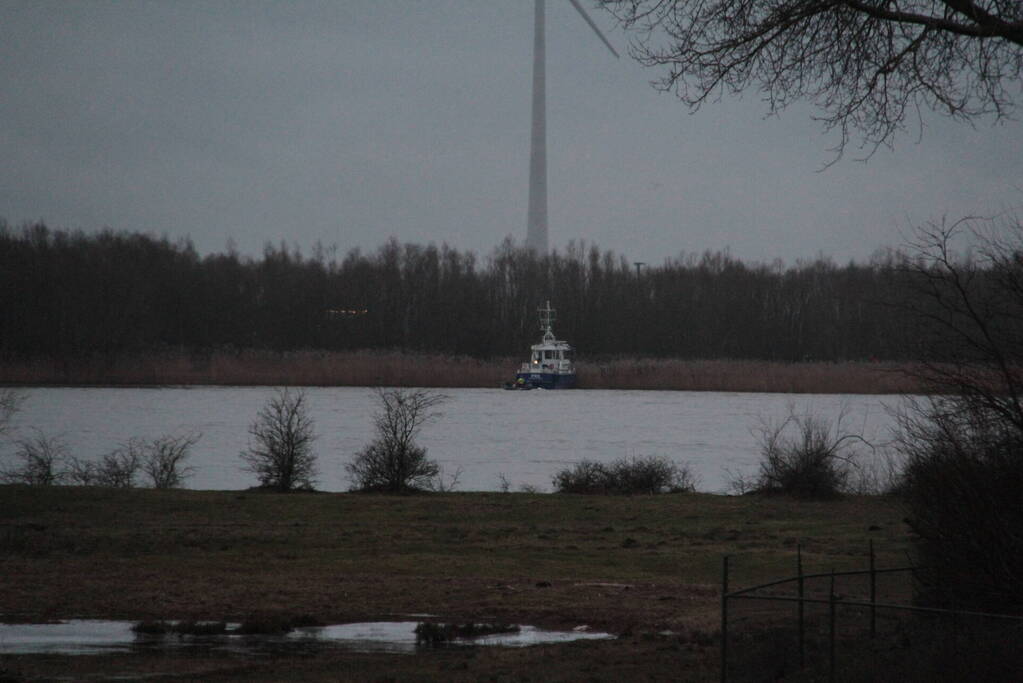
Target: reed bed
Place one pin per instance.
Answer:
(848, 377)
(395, 368)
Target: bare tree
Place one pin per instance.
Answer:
(969, 306)
(10, 403)
(163, 459)
(963, 443)
(393, 462)
(868, 65)
(42, 462)
(280, 451)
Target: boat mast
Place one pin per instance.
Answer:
(546, 320)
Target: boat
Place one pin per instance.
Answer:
(550, 363)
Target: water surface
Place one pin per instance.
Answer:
(524, 437)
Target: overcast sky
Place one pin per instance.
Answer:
(349, 121)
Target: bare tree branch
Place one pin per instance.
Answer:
(866, 65)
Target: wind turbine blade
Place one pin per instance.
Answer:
(580, 10)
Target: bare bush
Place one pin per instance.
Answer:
(880, 475)
(641, 475)
(41, 459)
(119, 468)
(393, 462)
(80, 472)
(586, 476)
(443, 483)
(280, 450)
(805, 456)
(739, 483)
(163, 459)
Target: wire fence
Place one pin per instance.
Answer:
(859, 626)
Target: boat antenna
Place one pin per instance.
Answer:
(547, 318)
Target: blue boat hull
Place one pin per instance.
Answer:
(546, 380)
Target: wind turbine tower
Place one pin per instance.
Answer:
(536, 231)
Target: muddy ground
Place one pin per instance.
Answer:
(645, 568)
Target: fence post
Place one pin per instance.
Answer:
(873, 593)
(724, 619)
(955, 635)
(802, 625)
(831, 628)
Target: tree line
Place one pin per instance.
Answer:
(71, 293)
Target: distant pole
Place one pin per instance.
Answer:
(638, 264)
(536, 230)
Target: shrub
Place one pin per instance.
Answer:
(963, 488)
(117, 469)
(379, 467)
(280, 451)
(586, 476)
(805, 456)
(163, 459)
(42, 462)
(641, 475)
(963, 483)
(393, 462)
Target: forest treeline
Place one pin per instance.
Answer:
(71, 293)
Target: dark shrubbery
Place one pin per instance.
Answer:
(117, 469)
(804, 456)
(963, 487)
(963, 483)
(163, 459)
(280, 452)
(44, 462)
(393, 462)
(41, 459)
(652, 474)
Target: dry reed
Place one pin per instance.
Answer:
(395, 368)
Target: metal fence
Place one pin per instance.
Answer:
(854, 625)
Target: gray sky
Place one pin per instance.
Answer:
(348, 121)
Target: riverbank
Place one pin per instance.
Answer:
(646, 568)
(370, 368)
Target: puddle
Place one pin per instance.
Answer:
(91, 637)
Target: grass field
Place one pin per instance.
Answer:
(636, 566)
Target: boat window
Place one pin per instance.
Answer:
(546, 355)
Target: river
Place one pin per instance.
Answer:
(487, 434)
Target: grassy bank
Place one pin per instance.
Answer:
(367, 368)
(636, 566)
